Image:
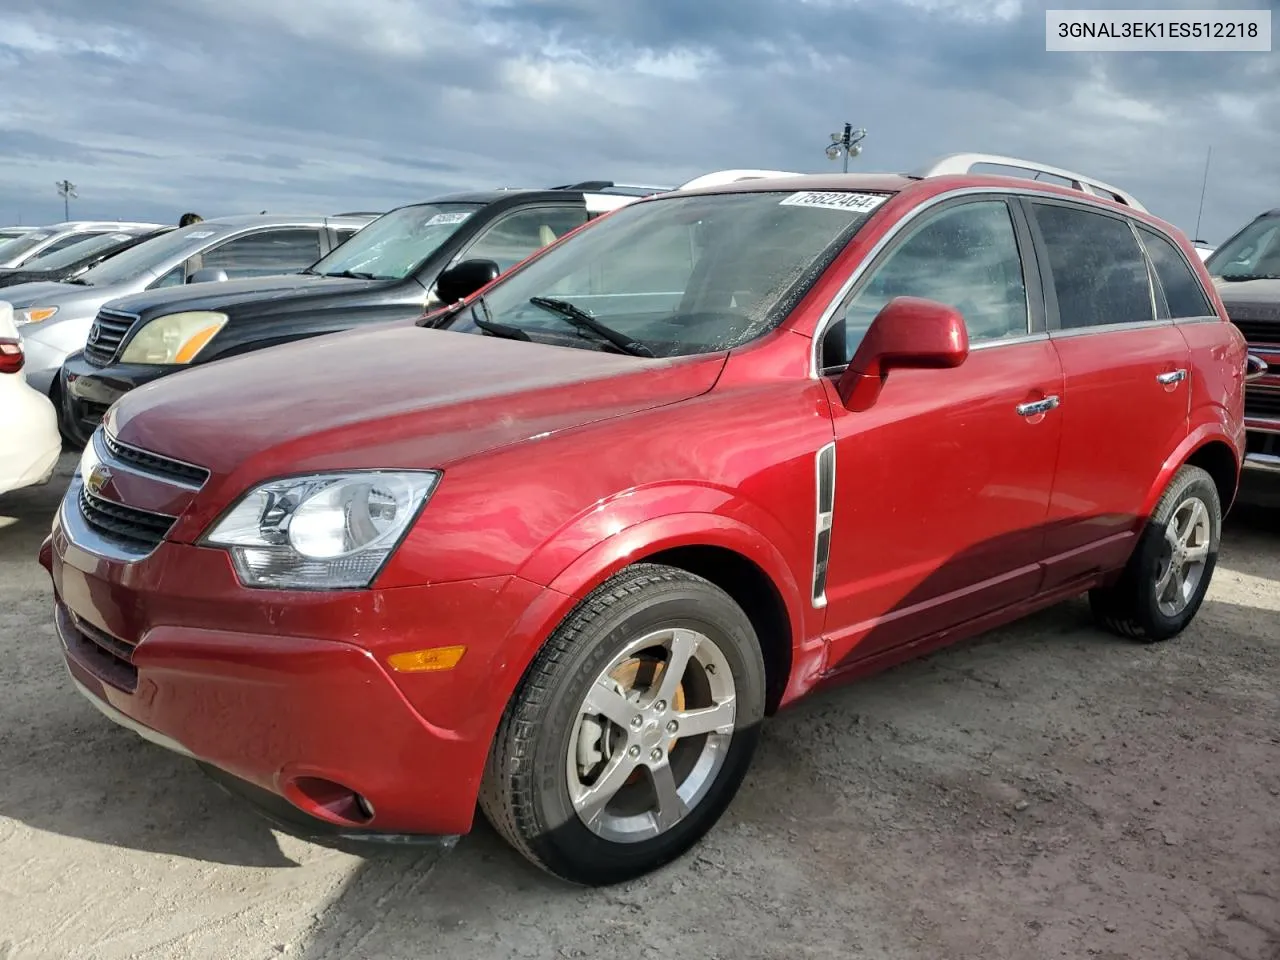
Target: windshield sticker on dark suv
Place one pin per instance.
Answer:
(448, 218)
(836, 200)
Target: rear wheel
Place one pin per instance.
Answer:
(1168, 575)
(631, 731)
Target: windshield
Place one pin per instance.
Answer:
(69, 256)
(151, 254)
(20, 245)
(676, 276)
(1251, 255)
(396, 244)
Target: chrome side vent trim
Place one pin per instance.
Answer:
(825, 488)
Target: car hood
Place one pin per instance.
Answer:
(390, 396)
(228, 294)
(31, 294)
(1248, 291)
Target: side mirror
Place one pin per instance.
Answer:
(1254, 367)
(208, 275)
(463, 279)
(907, 332)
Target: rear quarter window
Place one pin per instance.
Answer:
(1182, 291)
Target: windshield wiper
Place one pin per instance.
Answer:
(585, 321)
(351, 275)
(1249, 276)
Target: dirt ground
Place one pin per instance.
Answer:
(1046, 791)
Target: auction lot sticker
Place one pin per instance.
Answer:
(1158, 31)
(836, 200)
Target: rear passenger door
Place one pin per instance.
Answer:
(1126, 394)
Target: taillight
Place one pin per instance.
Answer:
(11, 356)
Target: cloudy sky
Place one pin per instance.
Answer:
(153, 107)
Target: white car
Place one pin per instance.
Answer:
(29, 440)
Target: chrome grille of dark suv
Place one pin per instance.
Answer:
(155, 464)
(1259, 332)
(114, 521)
(109, 328)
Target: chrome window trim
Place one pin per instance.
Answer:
(1108, 328)
(833, 305)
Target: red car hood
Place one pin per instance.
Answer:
(393, 396)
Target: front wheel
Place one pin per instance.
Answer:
(631, 731)
(1168, 575)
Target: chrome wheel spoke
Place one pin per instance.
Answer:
(683, 645)
(590, 803)
(605, 700)
(671, 808)
(1198, 515)
(1162, 585)
(715, 719)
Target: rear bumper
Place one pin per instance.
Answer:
(29, 440)
(290, 695)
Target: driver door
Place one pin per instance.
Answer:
(942, 487)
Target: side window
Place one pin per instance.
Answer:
(264, 253)
(1099, 271)
(517, 235)
(966, 257)
(63, 242)
(174, 278)
(1182, 291)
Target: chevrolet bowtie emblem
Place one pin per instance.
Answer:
(97, 478)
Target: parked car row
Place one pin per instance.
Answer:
(617, 488)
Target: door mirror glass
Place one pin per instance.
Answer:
(463, 279)
(208, 275)
(907, 332)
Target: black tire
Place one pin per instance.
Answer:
(525, 794)
(1130, 607)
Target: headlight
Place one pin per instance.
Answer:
(35, 314)
(328, 531)
(173, 339)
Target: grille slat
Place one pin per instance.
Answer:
(108, 330)
(108, 658)
(134, 528)
(1262, 403)
(154, 463)
(1259, 332)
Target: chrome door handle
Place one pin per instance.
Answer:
(1173, 376)
(1037, 406)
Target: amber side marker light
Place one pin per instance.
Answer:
(426, 661)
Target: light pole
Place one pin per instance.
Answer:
(847, 144)
(67, 191)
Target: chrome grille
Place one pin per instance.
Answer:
(128, 525)
(1258, 332)
(155, 464)
(1262, 404)
(109, 328)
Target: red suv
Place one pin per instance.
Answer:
(560, 547)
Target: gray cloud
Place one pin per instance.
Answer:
(159, 106)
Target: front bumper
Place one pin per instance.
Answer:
(88, 391)
(290, 694)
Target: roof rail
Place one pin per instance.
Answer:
(962, 163)
(720, 177)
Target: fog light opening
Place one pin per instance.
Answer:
(330, 801)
